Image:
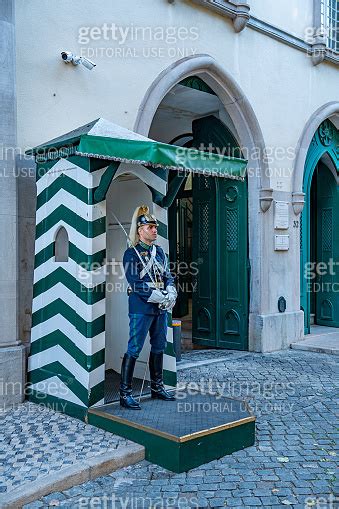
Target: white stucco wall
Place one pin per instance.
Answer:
(281, 84)
(294, 16)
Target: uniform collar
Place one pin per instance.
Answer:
(145, 246)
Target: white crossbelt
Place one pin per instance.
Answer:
(152, 261)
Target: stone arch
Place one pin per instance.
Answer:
(227, 89)
(249, 135)
(329, 110)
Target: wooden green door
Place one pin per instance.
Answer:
(326, 286)
(183, 256)
(220, 296)
(233, 265)
(204, 261)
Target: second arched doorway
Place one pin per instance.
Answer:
(319, 239)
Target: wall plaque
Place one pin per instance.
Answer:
(281, 215)
(281, 242)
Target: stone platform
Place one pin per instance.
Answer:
(182, 434)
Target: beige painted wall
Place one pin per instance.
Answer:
(293, 16)
(280, 82)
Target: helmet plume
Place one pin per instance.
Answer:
(133, 233)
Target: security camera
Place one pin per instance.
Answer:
(87, 63)
(68, 56)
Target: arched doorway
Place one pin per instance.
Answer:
(250, 137)
(208, 234)
(319, 239)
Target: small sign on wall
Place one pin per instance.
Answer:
(281, 242)
(281, 215)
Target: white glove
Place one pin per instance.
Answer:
(172, 297)
(158, 297)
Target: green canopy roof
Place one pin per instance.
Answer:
(104, 140)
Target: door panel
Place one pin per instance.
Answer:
(327, 282)
(233, 302)
(179, 253)
(204, 261)
(183, 256)
(304, 251)
(220, 302)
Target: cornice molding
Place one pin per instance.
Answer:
(238, 11)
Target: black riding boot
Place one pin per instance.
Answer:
(126, 398)
(157, 386)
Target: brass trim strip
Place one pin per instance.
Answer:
(131, 424)
(216, 429)
(169, 436)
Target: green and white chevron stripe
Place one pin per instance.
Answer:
(67, 357)
(68, 316)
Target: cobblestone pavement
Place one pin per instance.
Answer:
(35, 441)
(200, 355)
(292, 463)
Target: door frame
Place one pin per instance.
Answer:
(324, 143)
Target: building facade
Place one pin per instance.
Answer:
(247, 79)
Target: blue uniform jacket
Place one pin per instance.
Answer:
(141, 291)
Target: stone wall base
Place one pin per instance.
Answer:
(269, 333)
(12, 376)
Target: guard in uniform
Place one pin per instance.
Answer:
(151, 294)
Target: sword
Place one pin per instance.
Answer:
(143, 382)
